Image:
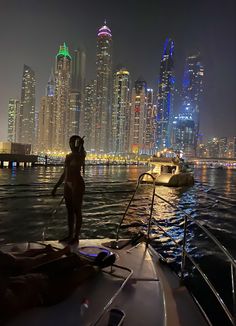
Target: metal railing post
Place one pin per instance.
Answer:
(183, 258)
(232, 268)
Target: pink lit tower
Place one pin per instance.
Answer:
(101, 139)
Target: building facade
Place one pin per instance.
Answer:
(149, 120)
(103, 103)
(90, 115)
(61, 116)
(183, 135)
(120, 111)
(45, 118)
(78, 86)
(192, 91)
(137, 117)
(165, 95)
(26, 132)
(13, 117)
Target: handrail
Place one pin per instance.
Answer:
(187, 217)
(204, 276)
(131, 199)
(213, 238)
(109, 303)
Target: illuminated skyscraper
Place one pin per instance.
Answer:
(78, 88)
(165, 97)
(13, 113)
(138, 110)
(90, 115)
(193, 89)
(45, 120)
(149, 121)
(121, 111)
(183, 135)
(61, 117)
(27, 107)
(103, 105)
(74, 114)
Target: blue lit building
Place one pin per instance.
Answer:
(165, 97)
(192, 90)
(183, 135)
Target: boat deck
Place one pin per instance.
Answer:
(152, 296)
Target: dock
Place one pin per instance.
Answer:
(17, 160)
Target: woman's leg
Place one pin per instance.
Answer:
(70, 212)
(78, 214)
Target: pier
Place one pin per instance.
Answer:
(17, 160)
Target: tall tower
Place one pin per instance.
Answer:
(77, 90)
(89, 114)
(27, 107)
(103, 105)
(193, 89)
(46, 115)
(62, 99)
(149, 120)
(165, 96)
(13, 112)
(121, 111)
(137, 117)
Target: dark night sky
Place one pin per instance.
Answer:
(32, 30)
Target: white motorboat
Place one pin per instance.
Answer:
(139, 288)
(170, 172)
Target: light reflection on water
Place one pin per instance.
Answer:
(26, 211)
(26, 204)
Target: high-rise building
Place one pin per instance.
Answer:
(231, 147)
(45, 120)
(137, 117)
(90, 115)
(183, 135)
(193, 89)
(13, 114)
(103, 105)
(61, 116)
(27, 108)
(165, 97)
(74, 114)
(213, 147)
(149, 128)
(78, 86)
(223, 146)
(121, 111)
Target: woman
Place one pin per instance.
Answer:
(74, 187)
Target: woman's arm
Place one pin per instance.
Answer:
(59, 182)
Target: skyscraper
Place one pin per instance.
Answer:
(121, 111)
(27, 107)
(89, 114)
(62, 99)
(183, 135)
(137, 117)
(165, 96)
(149, 120)
(103, 105)
(193, 89)
(78, 88)
(45, 121)
(13, 113)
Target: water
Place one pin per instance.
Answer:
(26, 208)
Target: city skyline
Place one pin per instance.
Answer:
(218, 100)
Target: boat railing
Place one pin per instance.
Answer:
(140, 179)
(112, 299)
(184, 253)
